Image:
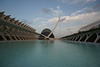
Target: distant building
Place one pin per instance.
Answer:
(46, 32)
(91, 26)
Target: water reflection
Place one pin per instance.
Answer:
(13, 53)
(45, 53)
(46, 45)
(80, 43)
(47, 41)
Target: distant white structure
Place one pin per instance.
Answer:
(91, 26)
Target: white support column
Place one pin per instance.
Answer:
(88, 37)
(97, 38)
(81, 37)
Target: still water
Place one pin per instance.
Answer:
(44, 53)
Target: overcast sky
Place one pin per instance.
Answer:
(41, 14)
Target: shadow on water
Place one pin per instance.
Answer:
(83, 45)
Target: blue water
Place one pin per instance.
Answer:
(46, 53)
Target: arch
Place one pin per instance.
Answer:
(98, 34)
(89, 34)
(98, 41)
(24, 38)
(77, 38)
(1, 38)
(7, 37)
(17, 38)
(21, 38)
(71, 38)
(83, 38)
(13, 37)
(74, 38)
(92, 38)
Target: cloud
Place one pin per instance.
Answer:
(87, 17)
(84, 18)
(63, 1)
(74, 23)
(70, 30)
(75, 1)
(61, 32)
(37, 19)
(90, 0)
(45, 10)
(57, 11)
(27, 22)
(95, 8)
(55, 19)
(79, 11)
(58, 7)
(52, 11)
(62, 19)
(52, 20)
(42, 25)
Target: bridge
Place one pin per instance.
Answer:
(11, 29)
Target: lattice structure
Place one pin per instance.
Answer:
(91, 26)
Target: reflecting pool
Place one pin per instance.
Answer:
(45, 53)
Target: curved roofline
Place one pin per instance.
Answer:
(46, 30)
